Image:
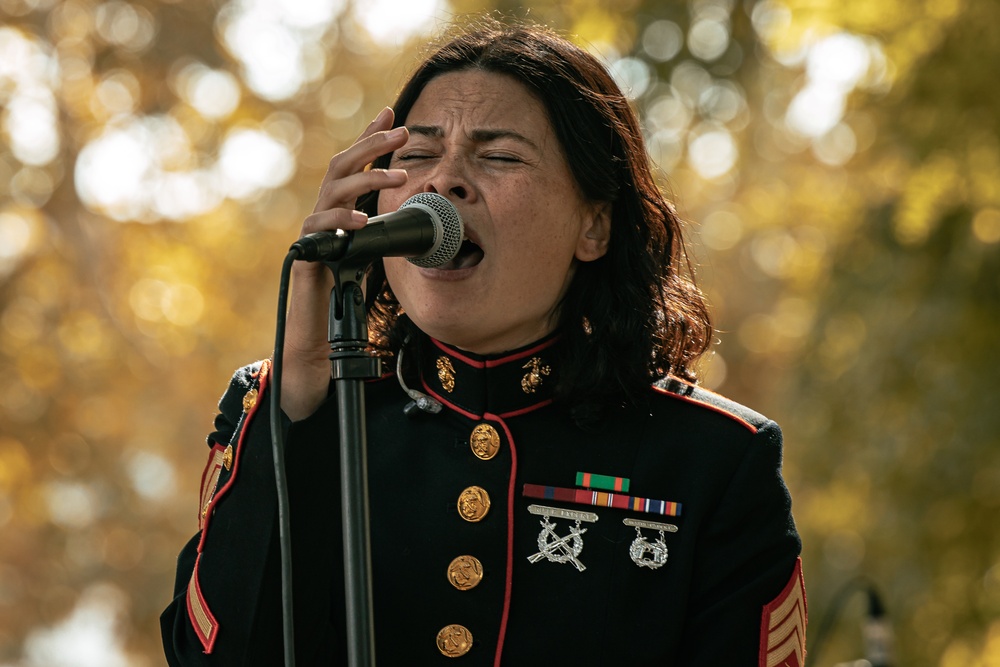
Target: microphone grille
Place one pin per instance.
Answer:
(450, 231)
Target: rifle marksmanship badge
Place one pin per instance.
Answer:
(556, 548)
(640, 547)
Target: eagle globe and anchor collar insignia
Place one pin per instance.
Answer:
(511, 383)
(564, 549)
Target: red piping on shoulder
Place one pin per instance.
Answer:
(194, 595)
(715, 408)
(244, 429)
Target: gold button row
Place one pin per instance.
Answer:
(465, 572)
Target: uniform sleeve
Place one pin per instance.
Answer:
(227, 604)
(747, 602)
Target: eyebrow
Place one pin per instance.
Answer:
(478, 136)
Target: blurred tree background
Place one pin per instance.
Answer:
(839, 161)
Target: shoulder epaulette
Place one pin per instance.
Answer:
(244, 379)
(242, 398)
(677, 388)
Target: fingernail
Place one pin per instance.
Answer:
(398, 133)
(396, 174)
(381, 115)
(359, 217)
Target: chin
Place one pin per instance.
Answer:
(446, 330)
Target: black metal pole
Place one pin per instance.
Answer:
(351, 364)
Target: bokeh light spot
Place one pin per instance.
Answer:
(87, 637)
(662, 40)
(393, 22)
(183, 305)
(152, 476)
(127, 25)
(835, 147)
(721, 230)
(713, 153)
(251, 160)
(29, 122)
(213, 93)
(816, 109)
(275, 42)
(708, 39)
(986, 225)
(110, 171)
(18, 234)
(117, 93)
(71, 504)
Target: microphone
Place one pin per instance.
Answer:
(426, 229)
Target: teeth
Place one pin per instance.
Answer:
(468, 255)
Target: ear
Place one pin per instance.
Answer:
(595, 232)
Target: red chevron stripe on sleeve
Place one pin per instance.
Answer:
(783, 625)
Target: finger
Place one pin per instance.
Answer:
(343, 192)
(336, 218)
(383, 121)
(364, 151)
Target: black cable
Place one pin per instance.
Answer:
(278, 452)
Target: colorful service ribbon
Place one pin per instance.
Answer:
(602, 499)
(603, 482)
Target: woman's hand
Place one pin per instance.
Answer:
(306, 374)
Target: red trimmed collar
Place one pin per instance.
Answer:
(503, 384)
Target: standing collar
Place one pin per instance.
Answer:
(505, 385)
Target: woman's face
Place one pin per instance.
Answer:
(484, 141)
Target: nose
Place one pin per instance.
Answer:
(449, 180)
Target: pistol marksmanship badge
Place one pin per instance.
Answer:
(641, 546)
(558, 549)
(446, 374)
(532, 380)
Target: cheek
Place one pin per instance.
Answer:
(390, 200)
(395, 269)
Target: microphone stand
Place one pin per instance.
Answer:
(351, 364)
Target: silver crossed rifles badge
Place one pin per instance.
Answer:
(558, 549)
(641, 546)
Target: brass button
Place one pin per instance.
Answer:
(227, 457)
(249, 400)
(485, 441)
(454, 640)
(474, 503)
(465, 572)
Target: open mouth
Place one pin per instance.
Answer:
(469, 255)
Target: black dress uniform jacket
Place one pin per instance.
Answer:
(545, 590)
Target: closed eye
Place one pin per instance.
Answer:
(503, 158)
(415, 156)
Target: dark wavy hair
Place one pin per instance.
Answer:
(634, 315)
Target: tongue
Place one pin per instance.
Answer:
(468, 255)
